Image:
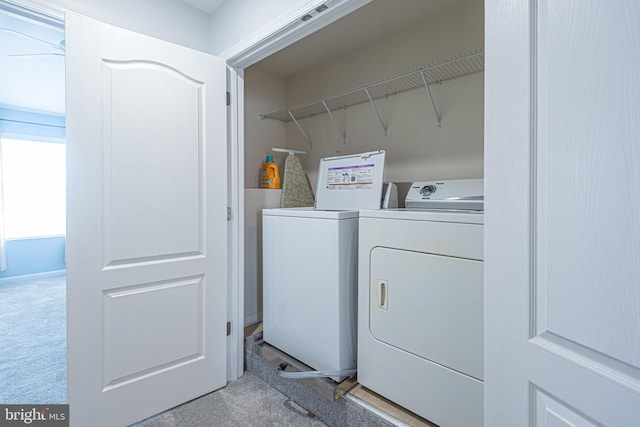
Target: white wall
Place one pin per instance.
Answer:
(255, 199)
(169, 20)
(263, 92)
(235, 20)
(416, 148)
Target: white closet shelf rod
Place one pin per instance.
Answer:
(304, 134)
(384, 127)
(433, 103)
(341, 132)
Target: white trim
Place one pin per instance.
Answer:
(287, 29)
(39, 6)
(238, 100)
(235, 343)
(31, 138)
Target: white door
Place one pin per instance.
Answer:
(146, 142)
(562, 176)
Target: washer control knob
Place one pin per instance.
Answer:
(427, 190)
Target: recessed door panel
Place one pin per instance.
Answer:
(587, 199)
(549, 412)
(428, 305)
(137, 345)
(153, 162)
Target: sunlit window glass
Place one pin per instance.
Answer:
(34, 188)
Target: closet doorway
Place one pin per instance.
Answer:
(32, 208)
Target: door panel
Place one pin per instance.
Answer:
(563, 207)
(551, 413)
(146, 150)
(587, 197)
(135, 345)
(152, 162)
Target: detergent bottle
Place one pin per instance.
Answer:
(269, 178)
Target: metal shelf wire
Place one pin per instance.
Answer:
(436, 73)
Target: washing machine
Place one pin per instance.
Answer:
(310, 265)
(420, 302)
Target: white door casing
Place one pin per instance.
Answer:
(562, 213)
(146, 227)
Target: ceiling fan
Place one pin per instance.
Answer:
(60, 47)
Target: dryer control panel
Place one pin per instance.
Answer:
(467, 194)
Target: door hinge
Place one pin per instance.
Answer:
(228, 98)
(228, 328)
(228, 213)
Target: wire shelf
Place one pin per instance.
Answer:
(436, 73)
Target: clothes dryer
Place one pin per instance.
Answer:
(420, 309)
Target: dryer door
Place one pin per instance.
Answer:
(430, 306)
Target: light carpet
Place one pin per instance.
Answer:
(33, 341)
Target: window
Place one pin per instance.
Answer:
(34, 188)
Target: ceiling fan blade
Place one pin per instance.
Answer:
(36, 54)
(59, 46)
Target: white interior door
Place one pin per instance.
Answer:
(146, 150)
(562, 254)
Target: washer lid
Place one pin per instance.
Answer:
(350, 182)
(310, 213)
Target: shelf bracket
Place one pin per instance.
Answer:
(433, 103)
(342, 133)
(384, 127)
(300, 128)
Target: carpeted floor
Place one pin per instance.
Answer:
(33, 341)
(249, 401)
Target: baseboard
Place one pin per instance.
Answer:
(32, 277)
